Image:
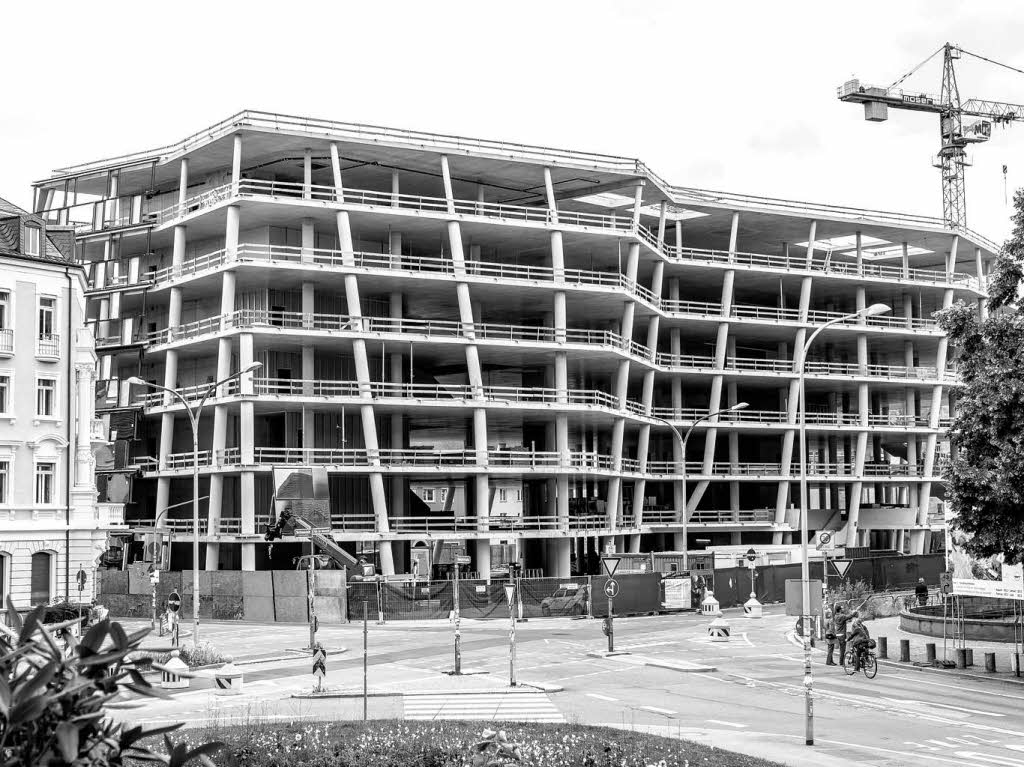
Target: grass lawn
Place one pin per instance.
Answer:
(392, 743)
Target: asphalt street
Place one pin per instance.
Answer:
(753, 700)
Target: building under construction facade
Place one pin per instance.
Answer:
(486, 343)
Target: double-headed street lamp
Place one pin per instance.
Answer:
(800, 366)
(193, 417)
(682, 460)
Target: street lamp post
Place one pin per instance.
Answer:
(805, 596)
(193, 417)
(682, 460)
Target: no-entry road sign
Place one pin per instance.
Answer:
(174, 602)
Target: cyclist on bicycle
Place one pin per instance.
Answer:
(858, 640)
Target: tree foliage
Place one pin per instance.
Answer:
(52, 702)
(985, 481)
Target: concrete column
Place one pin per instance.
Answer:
(378, 498)
(473, 367)
(399, 484)
(394, 189)
(715, 397)
(782, 499)
(676, 349)
(307, 174)
(236, 163)
(647, 397)
(910, 409)
(734, 442)
(246, 443)
(622, 390)
(863, 409)
(182, 185)
(308, 241)
(917, 537)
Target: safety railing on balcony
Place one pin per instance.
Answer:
(432, 265)
(48, 345)
(813, 367)
(434, 392)
(6, 340)
(781, 417)
(257, 188)
(339, 323)
(825, 265)
(775, 314)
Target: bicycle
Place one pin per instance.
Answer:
(869, 666)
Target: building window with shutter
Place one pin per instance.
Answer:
(46, 474)
(5, 471)
(42, 566)
(5, 393)
(46, 397)
(32, 240)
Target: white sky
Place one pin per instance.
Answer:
(738, 96)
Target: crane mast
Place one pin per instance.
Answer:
(954, 136)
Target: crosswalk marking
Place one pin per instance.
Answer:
(487, 706)
(657, 710)
(599, 696)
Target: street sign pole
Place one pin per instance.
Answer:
(365, 632)
(611, 564)
(611, 624)
(510, 596)
(455, 604)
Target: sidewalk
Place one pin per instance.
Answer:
(890, 628)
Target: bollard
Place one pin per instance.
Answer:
(970, 656)
(174, 675)
(752, 608)
(929, 652)
(228, 679)
(718, 630)
(710, 606)
(883, 647)
(961, 657)
(990, 662)
(904, 651)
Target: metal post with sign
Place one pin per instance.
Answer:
(81, 578)
(510, 596)
(459, 561)
(611, 588)
(173, 606)
(752, 564)
(154, 580)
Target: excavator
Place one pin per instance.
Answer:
(288, 521)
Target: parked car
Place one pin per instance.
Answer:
(565, 601)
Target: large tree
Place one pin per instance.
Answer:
(985, 482)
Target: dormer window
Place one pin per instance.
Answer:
(33, 236)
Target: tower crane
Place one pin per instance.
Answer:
(954, 134)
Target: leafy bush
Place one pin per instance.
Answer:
(455, 744)
(204, 654)
(52, 703)
(861, 597)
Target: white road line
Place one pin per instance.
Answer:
(657, 710)
(599, 696)
(944, 705)
(727, 724)
(746, 639)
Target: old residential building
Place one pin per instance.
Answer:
(481, 341)
(50, 523)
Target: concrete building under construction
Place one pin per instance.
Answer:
(487, 342)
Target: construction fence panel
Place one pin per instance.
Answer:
(639, 593)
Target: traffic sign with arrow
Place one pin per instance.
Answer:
(81, 578)
(611, 587)
(841, 566)
(611, 564)
(319, 663)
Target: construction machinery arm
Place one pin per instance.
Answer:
(997, 111)
(324, 542)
